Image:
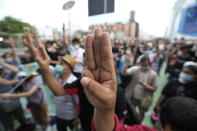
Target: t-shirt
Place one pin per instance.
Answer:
(78, 55)
(38, 97)
(9, 75)
(175, 88)
(15, 62)
(66, 105)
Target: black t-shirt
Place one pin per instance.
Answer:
(87, 110)
(191, 91)
(174, 70)
(175, 88)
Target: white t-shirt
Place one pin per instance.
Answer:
(78, 55)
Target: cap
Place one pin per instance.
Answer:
(22, 74)
(190, 63)
(70, 60)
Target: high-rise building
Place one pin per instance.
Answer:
(96, 7)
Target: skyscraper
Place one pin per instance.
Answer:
(96, 7)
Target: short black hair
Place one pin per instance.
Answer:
(180, 113)
(75, 40)
(144, 58)
(6, 53)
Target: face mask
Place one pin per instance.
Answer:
(76, 46)
(128, 52)
(59, 69)
(144, 68)
(185, 76)
(9, 60)
(148, 52)
(49, 49)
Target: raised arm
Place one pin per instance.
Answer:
(12, 46)
(43, 60)
(99, 79)
(64, 37)
(126, 64)
(10, 67)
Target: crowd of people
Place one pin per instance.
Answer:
(102, 86)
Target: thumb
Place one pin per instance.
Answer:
(96, 89)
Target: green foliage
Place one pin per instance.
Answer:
(159, 38)
(10, 26)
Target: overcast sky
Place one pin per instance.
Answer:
(152, 15)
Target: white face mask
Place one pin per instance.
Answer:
(49, 49)
(128, 52)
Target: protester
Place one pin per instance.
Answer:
(67, 106)
(33, 90)
(143, 84)
(10, 108)
(77, 52)
(185, 85)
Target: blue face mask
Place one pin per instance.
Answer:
(76, 46)
(185, 76)
(148, 52)
(59, 69)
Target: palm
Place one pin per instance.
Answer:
(100, 67)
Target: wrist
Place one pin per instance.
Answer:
(45, 69)
(104, 119)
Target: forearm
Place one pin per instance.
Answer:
(18, 95)
(14, 69)
(50, 80)
(65, 40)
(13, 52)
(124, 72)
(104, 120)
(149, 87)
(8, 82)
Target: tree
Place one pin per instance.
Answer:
(10, 26)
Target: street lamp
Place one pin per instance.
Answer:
(67, 6)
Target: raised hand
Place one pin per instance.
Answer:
(100, 72)
(36, 37)
(12, 44)
(99, 78)
(63, 27)
(39, 54)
